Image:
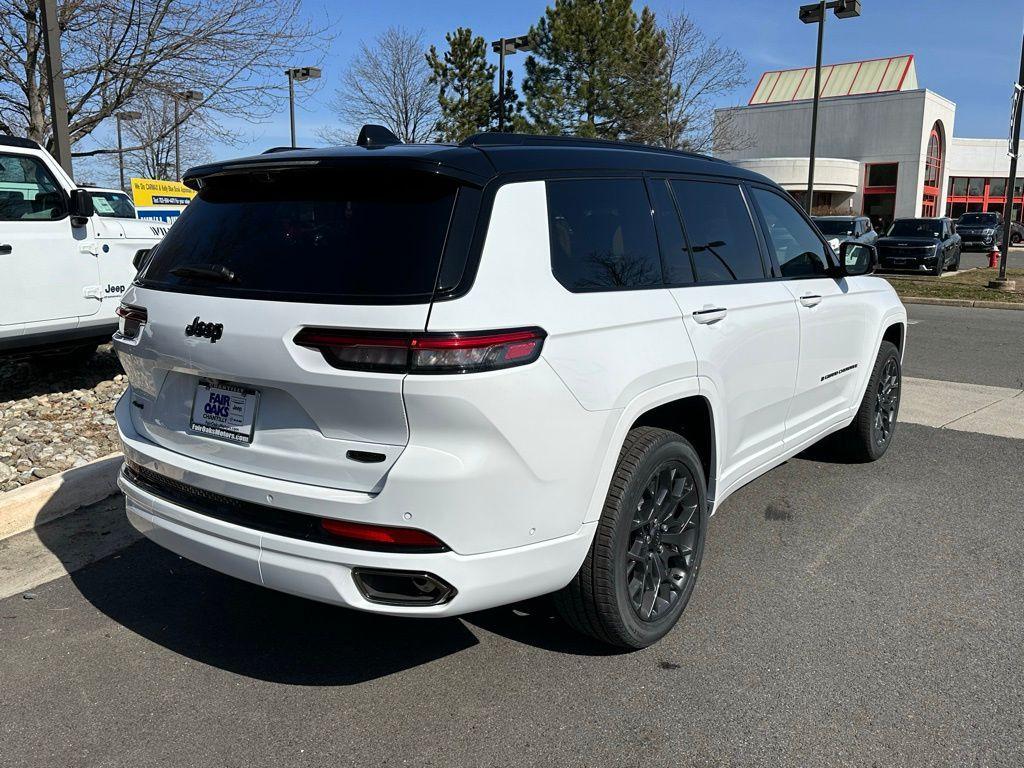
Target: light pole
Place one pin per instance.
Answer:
(815, 14)
(509, 46)
(185, 96)
(297, 75)
(1011, 182)
(120, 147)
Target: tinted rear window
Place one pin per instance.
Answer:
(310, 236)
(602, 235)
(720, 231)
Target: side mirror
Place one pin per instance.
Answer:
(857, 259)
(81, 207)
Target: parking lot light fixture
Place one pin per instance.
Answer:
(509, 46)
(297, 75)
(186, 96)
(814, 13)
(119, 117)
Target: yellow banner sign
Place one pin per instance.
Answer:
(154, 192)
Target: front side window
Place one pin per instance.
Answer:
(720, 231)
(112, 205)
(602, 235)
(799, 252)
(28, 190)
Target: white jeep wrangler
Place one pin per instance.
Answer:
(66, 257)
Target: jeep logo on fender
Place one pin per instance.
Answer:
(211, 331)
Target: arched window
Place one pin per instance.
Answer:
(933, 171)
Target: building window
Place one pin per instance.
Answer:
(932, 171)
(882, 174)
(982, 195)
(975, 187)
(997, 187)
(958, 186)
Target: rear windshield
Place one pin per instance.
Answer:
(315, 236)
(835, 226)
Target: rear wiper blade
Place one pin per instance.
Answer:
(214, 272)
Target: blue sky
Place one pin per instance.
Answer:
(965, 50)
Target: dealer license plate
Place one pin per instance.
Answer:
(225, 411)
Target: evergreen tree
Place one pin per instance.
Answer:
(597, 70)
(466, 81)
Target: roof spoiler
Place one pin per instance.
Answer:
(373, 136)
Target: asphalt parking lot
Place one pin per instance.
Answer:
(846, 615)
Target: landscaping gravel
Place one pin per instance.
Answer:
(52, 421)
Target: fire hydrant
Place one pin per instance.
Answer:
(993, 258)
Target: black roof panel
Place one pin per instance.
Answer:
(484, 156)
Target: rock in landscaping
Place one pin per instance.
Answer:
(52, 421)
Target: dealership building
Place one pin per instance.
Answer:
(885, 146)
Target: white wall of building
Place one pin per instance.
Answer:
(875, 128)
(840, 177)
(978, 157)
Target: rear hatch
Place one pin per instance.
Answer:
(255, 258)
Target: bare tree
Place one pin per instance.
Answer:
(156, 158)
(702, 69)
(114, 50)
(388, 82)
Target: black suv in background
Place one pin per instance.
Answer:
(931, 244)
(984, 231)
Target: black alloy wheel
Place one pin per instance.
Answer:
(662, 541)
(887, 400)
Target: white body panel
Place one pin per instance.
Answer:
(61, 282)
(509, 468)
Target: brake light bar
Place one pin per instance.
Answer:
(362, 535)
(132, 320)
(468, 352)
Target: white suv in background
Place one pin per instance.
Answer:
(424, 380)
(67, 255)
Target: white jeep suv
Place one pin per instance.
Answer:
(424, 380)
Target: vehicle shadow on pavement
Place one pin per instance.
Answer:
(240, 627)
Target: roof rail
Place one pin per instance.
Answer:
(497, 139)
(18, 141)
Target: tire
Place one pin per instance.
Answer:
(613, 597)
(956, 264)
(940, 265)
(872, 430)
(1015, 238)
(65, 358)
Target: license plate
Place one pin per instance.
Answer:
(225, 411)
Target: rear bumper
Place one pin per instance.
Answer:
(324, 573)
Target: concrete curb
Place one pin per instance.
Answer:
(974, 303)
(57, 495)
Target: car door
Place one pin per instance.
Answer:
(833, 318)
(743, 325)
(46, 273)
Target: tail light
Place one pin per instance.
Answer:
(424, 352)
(365, 535)
(132, 320)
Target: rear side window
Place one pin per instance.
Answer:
(310, 236)
(674, 253)
(602, 235)
(799, 252)
(720, 231)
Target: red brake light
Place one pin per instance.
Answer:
(383, 536)
(424, 352)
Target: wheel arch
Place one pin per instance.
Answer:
(679, 407)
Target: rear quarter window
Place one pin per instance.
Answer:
(310, 236)
(602, 235)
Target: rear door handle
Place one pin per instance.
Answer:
(709, 314)
(5, 249)
(810, 300)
